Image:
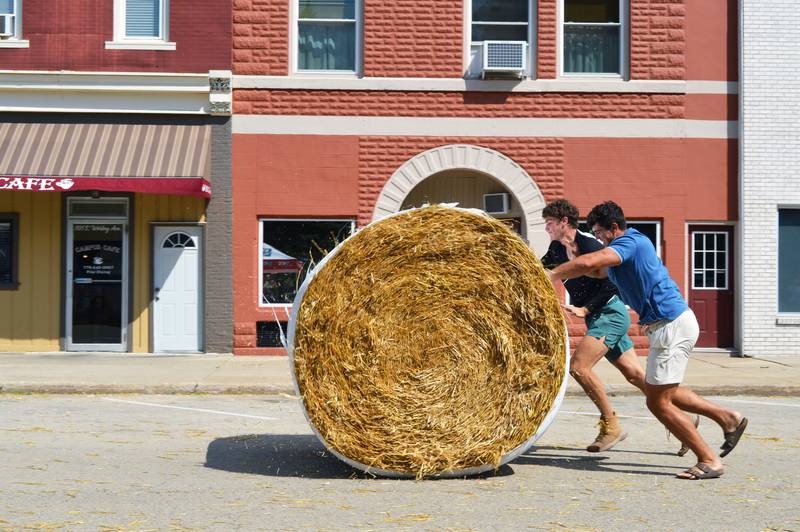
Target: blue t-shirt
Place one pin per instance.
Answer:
(643, 280)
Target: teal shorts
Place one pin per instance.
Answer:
(612, 322)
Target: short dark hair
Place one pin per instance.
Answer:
(605, 214)
(562, 208)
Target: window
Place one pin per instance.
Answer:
(710, 260)
(788, 258)
(290, 249)
(649, 228)
(178, 240)
(328, 35)
(592, 36)
(9, 250)
(11, 24)
(141, 24)
(496, 20)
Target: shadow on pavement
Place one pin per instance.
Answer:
(288, 455)
(588, 463)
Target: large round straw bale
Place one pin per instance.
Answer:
(429, 343)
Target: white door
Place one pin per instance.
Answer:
(177, 289)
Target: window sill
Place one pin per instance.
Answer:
(9, 286)
(140, 45)
(14, 43)
(787, 319)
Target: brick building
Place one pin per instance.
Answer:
(347, 110)
(770, 184)
(114, 138)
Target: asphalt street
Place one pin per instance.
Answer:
(203, 462)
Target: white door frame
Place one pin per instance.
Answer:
(155, 245)
(71, 221)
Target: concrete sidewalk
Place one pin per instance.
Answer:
(708, 374)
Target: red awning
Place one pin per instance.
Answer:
(148, 158)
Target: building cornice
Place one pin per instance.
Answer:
(587, 84)
(115, 92)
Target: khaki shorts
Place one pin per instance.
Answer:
(670, 344)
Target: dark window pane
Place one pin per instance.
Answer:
(340, 9)
(500, 10)
(698, 261)
(591, 10)
(6, 249)
(720, 279)
(698, 280)
(591, 49)
(698, 242)
(327, 46)
(709, 282)
(720, 242)
(488, 32)
(788, 259)
(289, 251)
(721, 261)
(268, 333)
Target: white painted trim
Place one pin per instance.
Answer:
(15, 43)
(140, 45)
(624, 43)
(104, 92)
(531, 50)
(350, 82)
(484, 127)
(712, 87)
(467, 157)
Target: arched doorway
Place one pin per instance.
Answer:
(464, 170)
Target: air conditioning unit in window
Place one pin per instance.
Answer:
(505, 58)
(497, 203)
(6, 26)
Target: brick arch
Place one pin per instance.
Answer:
(468, 157)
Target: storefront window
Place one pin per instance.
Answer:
(9, 229)
(289, 249)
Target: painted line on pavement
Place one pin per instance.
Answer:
(765, 403)
(190, 409)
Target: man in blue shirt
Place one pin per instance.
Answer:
(631, 262)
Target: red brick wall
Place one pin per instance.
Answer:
(658, 39)
(261, 37)
(546, 50)
(712, 37)
(71, 35)
(541, 158)
(414, 38)
(469, 104)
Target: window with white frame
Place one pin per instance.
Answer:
(496, 20)
(327, 34)
(10, 23)
(592, 36)
(289, 249)
(142, 24)
(788, 259)
(710, 260)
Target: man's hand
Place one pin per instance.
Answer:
(580, 312)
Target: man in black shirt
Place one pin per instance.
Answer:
(607, 320)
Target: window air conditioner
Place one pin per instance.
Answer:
(505, 57)
(496, 203)
(6, 25)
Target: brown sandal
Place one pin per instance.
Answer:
(732, 438)
(685, 448)
(701, 471)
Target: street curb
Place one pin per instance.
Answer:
(213, 389)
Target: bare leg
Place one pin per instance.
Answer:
(589, 351)
(660, 401)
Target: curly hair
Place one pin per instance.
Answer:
(606, 214)
(562, 208)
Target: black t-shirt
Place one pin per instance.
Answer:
(583, 291)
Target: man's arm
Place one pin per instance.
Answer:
(586, 264)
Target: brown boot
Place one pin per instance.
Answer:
(611, 433)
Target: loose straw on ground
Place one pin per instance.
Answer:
(431, 341)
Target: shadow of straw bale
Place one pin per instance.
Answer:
(288, 455)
